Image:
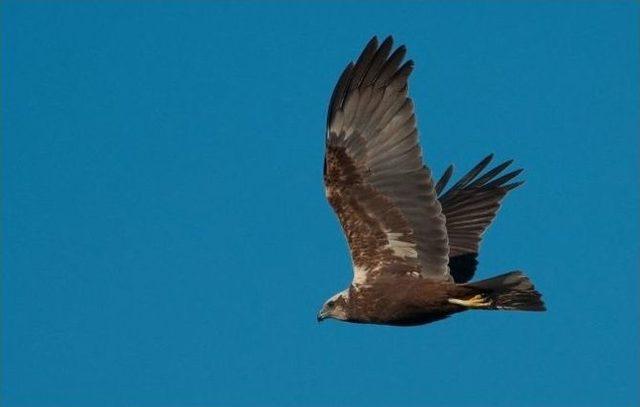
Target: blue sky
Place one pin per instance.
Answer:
(165, 236)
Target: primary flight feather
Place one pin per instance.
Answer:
(413, 247)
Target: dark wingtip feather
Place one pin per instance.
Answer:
(338, 92)
(442, 182)
(469, 176)
(483, 163)
(362, 64)
(405, 69)
(488, 176)
(390, 66)
(513, 185)
(373, 42)
(502, 166)
(388, 42)
(498, 182)
(400, 77)
(376, 65)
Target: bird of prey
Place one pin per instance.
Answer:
(413, 246)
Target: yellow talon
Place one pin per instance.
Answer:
(477, 301)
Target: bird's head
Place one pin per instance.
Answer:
(335, 307)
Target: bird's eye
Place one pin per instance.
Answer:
(330, 304)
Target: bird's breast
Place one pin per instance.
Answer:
(402, 303)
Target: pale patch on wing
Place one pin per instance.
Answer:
(359, 275)
(399, 247)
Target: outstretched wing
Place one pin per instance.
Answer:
(374, 176)
(469, 207)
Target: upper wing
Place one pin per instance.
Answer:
(373, 171)
(469, 207)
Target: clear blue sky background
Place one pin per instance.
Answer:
(166, 239)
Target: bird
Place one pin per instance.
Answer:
(413, 242)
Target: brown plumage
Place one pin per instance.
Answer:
(413, 246)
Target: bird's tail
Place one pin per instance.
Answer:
(511, 291)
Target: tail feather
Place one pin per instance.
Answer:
(511, 291)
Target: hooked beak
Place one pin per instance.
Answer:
(322, 316)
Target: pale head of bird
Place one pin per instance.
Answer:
(335, 307)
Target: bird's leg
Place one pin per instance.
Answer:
(477, 301)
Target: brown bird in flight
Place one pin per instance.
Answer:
(413, 246)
